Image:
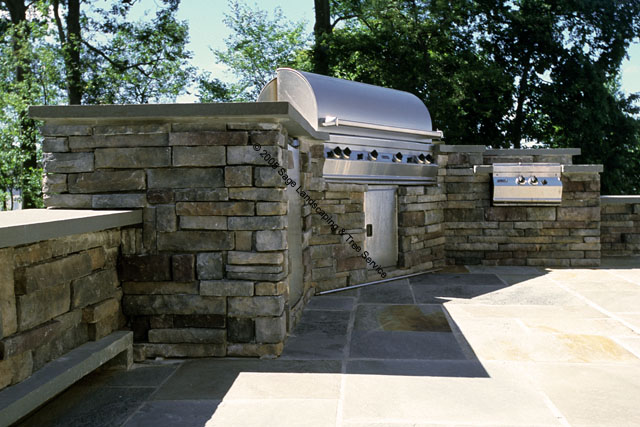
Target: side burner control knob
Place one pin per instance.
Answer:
(429, 158)
(373, 155)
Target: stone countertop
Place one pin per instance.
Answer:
(34, 225)
(270, 112)
(620, 199)
(508, 152)
(481, 169)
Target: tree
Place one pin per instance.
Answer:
(502, 73)
(110, 60)
(258, 45)
(99, 57)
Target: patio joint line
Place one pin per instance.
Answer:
(597, 307)
(151, 396)
(345, 358)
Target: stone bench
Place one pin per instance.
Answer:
(114, 350)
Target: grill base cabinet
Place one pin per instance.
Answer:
(381, 226)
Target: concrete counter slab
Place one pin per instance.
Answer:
(34, 225)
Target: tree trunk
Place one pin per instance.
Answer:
(523, 89)
(74, 73)
(321, 31)
(18, 15)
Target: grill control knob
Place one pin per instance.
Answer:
(521, 180)
(346, 153)
(533, 180)
(422, 158)
(397, 157)
(337, 152)
(429, 158)
(373, 155)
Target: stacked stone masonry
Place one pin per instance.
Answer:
(209, 276)
(56, 295)
(478, 233)
(620, 226)
(208, 272)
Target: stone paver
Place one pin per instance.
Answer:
(499, 346)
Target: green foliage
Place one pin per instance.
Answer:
(257, 46)
(120, 62)
(501, 73)
(140, 62)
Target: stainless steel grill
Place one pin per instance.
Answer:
(376, 135)
(527, 184)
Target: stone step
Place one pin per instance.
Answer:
(19, 400)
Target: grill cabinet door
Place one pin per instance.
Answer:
(381, 226)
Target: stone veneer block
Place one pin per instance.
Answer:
(203, 222)
(133, 158)
(195, 241)
(208, 138)
(145, 268)
(251, 193)
(183, 267)
(185, 178)
(160, 288)
(49, 129)
(104, 181)
(55, 272)
(141, 305)
(101, 310)
(28, 340)
(226, 288)
(268, 177)
(42, 305)
(257, 223)
(114, 201)
(132, 129)
(256, 306)
(271, 208)
(199, 156)
(166, 219)
(55, 145)
(221, 208)
(248, 156)
(271, 329)
(94, 288)
(271, 240)
(8, 315)
(68, 162)
(209, 265)
(188, 335)
(238, 176)
(119, 141)
(254, 258)
(54, 183)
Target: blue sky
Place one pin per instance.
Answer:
(208, 31)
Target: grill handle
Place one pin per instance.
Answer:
(369, 230)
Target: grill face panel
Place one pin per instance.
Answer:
(376, 135)
(536, 184)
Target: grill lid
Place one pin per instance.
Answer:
(351, 108)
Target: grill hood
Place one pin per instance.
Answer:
(351, 108)
(375, 134)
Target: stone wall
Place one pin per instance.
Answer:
(620, 225)
(209, 276)
(330, 260)
(479, 233)
(56, 295)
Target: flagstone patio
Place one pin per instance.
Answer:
(466, 346)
